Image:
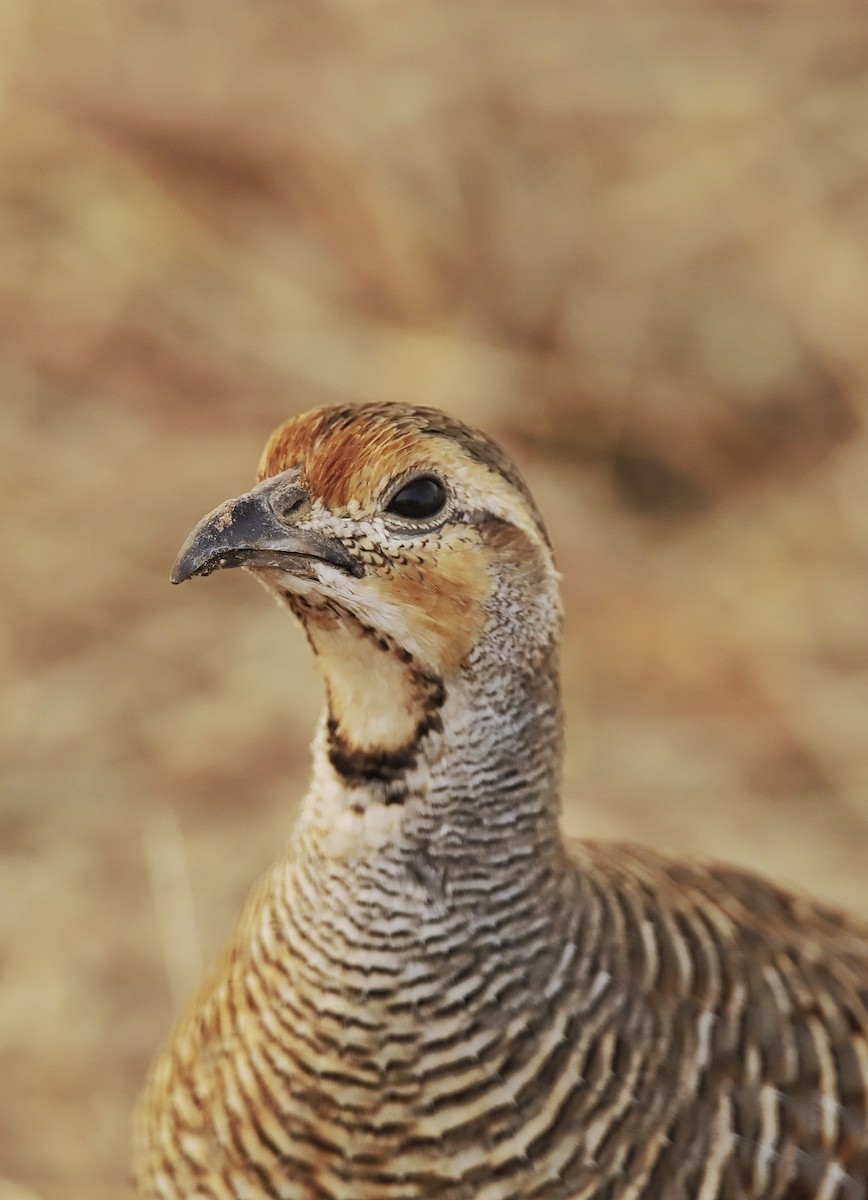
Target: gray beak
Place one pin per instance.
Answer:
(259, 529)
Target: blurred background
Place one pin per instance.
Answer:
(629, 239)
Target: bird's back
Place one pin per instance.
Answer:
(742, 1026)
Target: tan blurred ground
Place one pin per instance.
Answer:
(630, 239)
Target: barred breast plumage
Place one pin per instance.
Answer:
(433, 994)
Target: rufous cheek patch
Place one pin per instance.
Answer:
(443, 601)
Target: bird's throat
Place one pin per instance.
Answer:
(382, 706)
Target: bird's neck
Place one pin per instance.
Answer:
(454, 768)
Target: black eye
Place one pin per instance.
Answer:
(422, 497)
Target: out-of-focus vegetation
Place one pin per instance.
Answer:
(630, 239)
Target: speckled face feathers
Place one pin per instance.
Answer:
(426, 586)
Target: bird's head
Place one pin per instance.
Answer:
(410, 548)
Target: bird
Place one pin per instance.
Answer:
(434, 993)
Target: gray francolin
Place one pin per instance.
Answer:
(433, 994)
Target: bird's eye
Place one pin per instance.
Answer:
(421, 497)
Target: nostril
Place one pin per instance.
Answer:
(287, 503)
